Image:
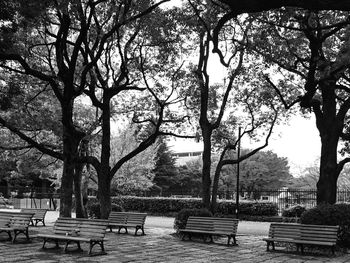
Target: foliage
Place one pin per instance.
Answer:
(263, 170)
(171, 206)
(182, 216)
(165, 169)
(136, 174)
(294, 211)
(337, 214)
(93, 208)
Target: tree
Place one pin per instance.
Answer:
(165, 170)
(264, 170)
(219, 103)
(310, 49)
(137, 174)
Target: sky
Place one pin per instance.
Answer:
(299, 142)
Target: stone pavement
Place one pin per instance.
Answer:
(160, 245)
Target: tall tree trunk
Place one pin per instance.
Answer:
(71, 140)
(66, 188)
(104, 195)
(206, 157)
(327, 183)
(104, 175)
(215, 187)
(78, 193)
(330, 128)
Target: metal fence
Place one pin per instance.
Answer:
(284, 198)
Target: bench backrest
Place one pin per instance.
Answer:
(319, 233)
(92, 228)
(117, 217)
(15, 219)
(65, 225)
(38, 213)
(304, 232)
(216, 224)
(131, 218)
(135, 218)
(285, 230)
(226, 225)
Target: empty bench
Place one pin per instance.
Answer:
(16, 222)
(211, 226)
(39, 215)
(76, 230)
(123, 220)
(302, 234)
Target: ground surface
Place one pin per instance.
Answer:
(161, 245)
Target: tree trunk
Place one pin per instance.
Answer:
(215, 187)
(66, 188)
(104, 195)
(330, 128)
(327, 183)
(78, 193)
(104, 175)
(71, 140)
(206, 157)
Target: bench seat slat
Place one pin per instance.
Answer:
(302, 234)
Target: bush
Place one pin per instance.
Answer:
(338, 214)
(172, 206)
(294, 211)
(182, 216)
(93, 208)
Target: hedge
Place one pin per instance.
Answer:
(337, 214)
(171, 206)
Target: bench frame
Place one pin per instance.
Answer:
(69, 229)
(18, 222)
(39, 215)
(123, 220)
(209, 227)
(302, 234)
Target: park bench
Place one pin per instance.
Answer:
(127, 219)
(76, 230)
(39, 215)
(211, 226)
(302, 234)
(16, 222)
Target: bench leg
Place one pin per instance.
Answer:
(301, 248)
(268, 243)
(139, 228)
(233, 239)
(8, 233)
(93, 243)
(17, 232)
(126, 229)
(69, 241)
(39, 220)
(48, 239)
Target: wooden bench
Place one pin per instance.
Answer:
(127, 219)
(39, 215)
(302, 234)
(211, 226)
(76, 230)
(16, 222)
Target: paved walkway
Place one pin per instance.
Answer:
(160, 245)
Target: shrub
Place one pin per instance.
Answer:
(182, 216)
(294, 211)
(171, 206)
(338, 214)
(93, 208)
